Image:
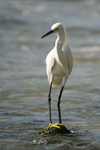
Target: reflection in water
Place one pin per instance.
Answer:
(23, 82)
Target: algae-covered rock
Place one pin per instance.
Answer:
(54, 129)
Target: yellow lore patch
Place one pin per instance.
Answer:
(55, 29)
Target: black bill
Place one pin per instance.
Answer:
(50, 32)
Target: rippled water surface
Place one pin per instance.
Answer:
(23, 81)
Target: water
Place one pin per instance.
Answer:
(23, 82)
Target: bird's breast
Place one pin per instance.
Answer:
(57, 70)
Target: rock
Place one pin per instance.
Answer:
(54, 129)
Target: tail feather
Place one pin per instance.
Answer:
(56, 82)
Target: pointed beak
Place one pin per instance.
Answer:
(50, 32)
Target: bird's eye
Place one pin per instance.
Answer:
(55, 29)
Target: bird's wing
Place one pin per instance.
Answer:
(70, 59)
(50, 61)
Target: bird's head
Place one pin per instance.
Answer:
(57, 27)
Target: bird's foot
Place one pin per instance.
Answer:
(56, 125)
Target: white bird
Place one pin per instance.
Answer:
(59, 63)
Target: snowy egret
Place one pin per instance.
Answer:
(59, 63)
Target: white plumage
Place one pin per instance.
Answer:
(59, 61)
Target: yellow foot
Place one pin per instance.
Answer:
(56, 125)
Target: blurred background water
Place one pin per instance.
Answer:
(23, 82)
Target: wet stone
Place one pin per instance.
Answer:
(53, 130)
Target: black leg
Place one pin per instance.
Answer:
(58, 104)
(49, 101)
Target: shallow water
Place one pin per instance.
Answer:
(23, 82)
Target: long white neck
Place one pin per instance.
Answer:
(60, 44)
(61, 37)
